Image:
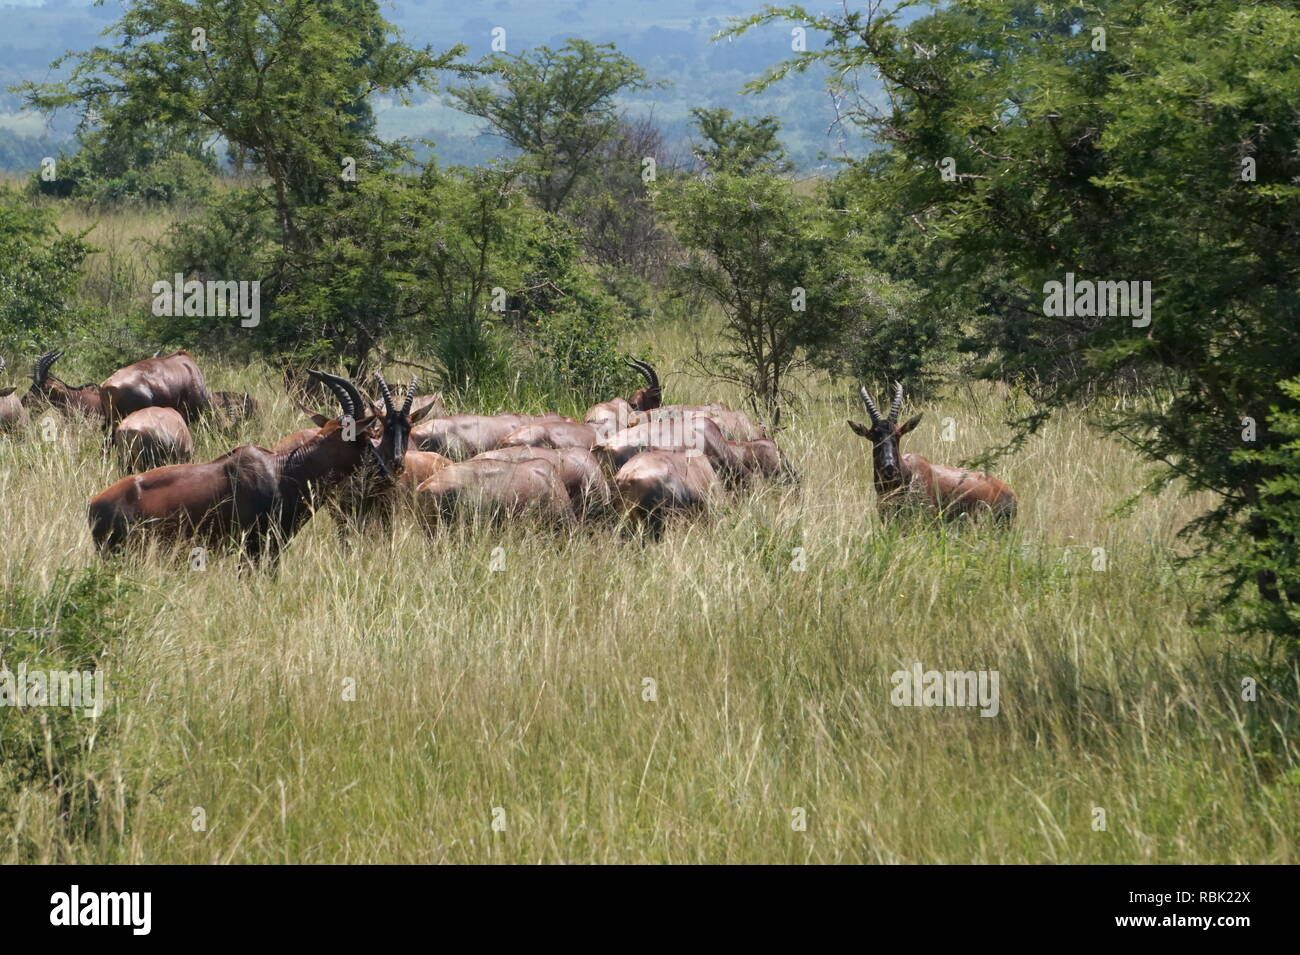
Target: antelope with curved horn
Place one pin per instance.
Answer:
(370, 493)
(909, 478)
(675, 432)
(46, 388)
(735, 425)
(151, 437)
(610, 417)
(253, 496)
(13, 415)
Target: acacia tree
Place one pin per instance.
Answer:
(557, 107)
(283, 82)
(742, 146)
(1115, 140)
(765, 257)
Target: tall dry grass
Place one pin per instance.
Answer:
(519, 694)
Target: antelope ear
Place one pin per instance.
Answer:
(860, 429)
(318, 420)
(368, 422)
(6, 392)
(417, 415)
(909, 424)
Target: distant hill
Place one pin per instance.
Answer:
(669, 38)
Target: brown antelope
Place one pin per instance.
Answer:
(609, 417)
(495, 489)
(762, 458)
(253, 496)
(174, 381)
(905, 479)
(152, 437)
(461, 436)
(735, 425)
(654, 484)
(13, 415)
(297, 439)
(578, 469)
(675, 432)
(551, 434)
(418, 467)
(48, 389)
(370, 493)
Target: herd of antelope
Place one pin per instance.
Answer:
(635, 458)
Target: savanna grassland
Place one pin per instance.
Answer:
(770, 630)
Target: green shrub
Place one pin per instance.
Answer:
(39, 272)
(74, 624)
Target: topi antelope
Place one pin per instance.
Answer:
(253, 496)
(578, 469)
(174, 381)
(46, 388)
(152, 437)
(762, 458)
(461, 436)
(654, 484)
(612, 416)
(13, 415)
(369, 493)
(551, 434)
(905, 479)
(679, 431)
(495, 489)
(735, 425)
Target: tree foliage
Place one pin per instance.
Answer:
(40, 267)
(1129, 140)
(768, 262)
(557, 107)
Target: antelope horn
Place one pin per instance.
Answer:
(647, 372)
(42, 367)
(2, 363)
(410, 395)
(897, 404)
(871, 405)
(385, 391)
(344, 390)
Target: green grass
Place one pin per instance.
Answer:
(523, 688)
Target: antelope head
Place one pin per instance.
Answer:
(353, 405)
(649, 397)
(395, 426)
(42, 385)
(883, 433)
